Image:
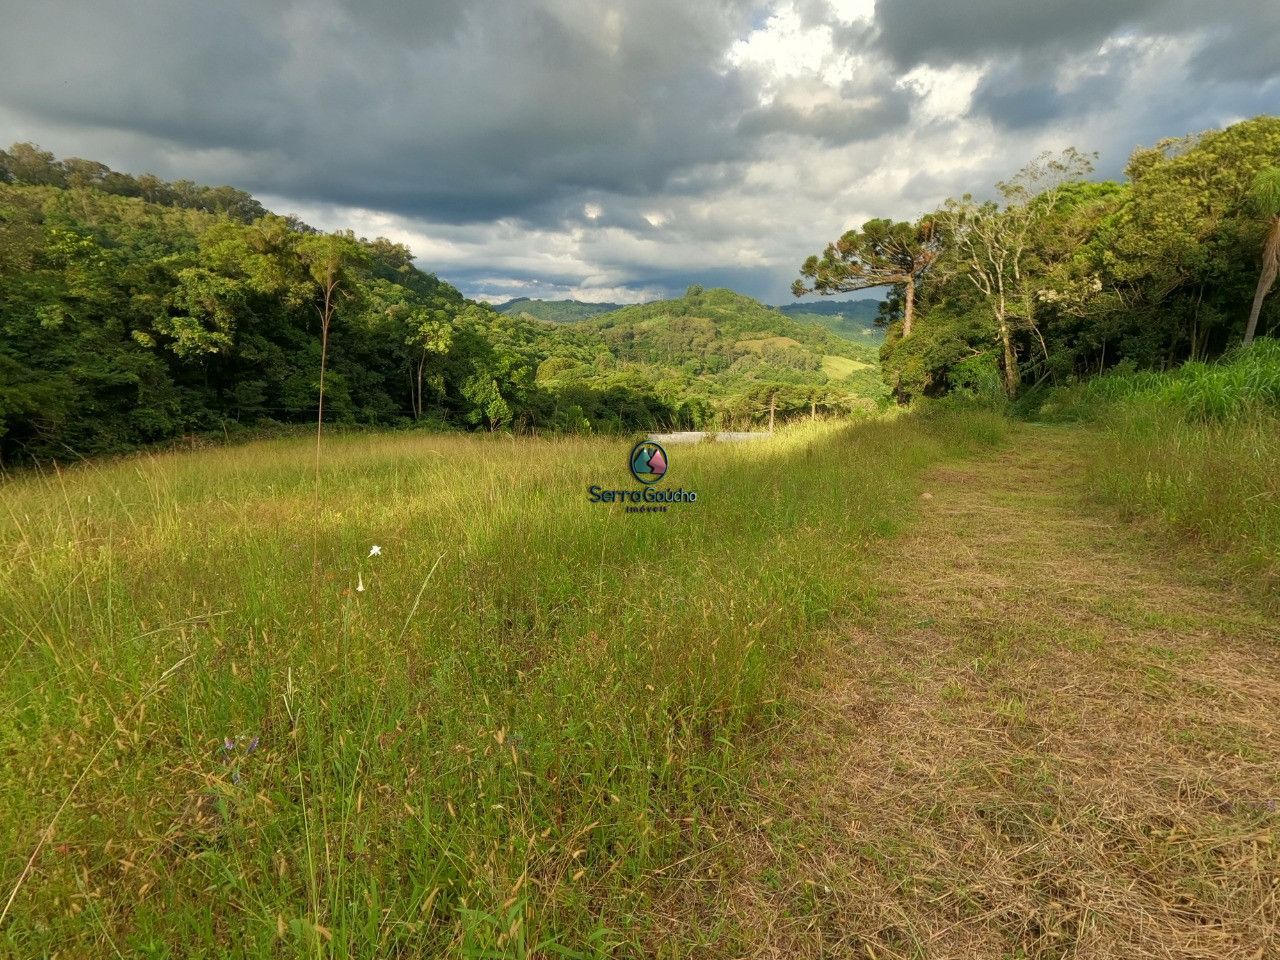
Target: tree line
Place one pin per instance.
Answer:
(133, 311)
(1056, 276)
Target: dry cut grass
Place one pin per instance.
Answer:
(1046, 741)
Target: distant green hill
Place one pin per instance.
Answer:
(722, 349)
(557, 311)
(855, 319)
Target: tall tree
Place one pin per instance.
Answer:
(882, 253)
(429, 333)
(330, 260)
(1264, 198)
(993, 244)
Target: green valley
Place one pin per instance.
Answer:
(730, 357)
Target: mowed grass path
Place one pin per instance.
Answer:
(1052, 736)
(515, 740)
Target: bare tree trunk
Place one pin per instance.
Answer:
(1252, 327)
(908, 306)
(773, 406)
(1012, 379)
(325, 316)
(417, 397)
(1270, 265)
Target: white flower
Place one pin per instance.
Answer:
(375, 551)
(359, 583)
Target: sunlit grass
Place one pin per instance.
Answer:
(1194, 450)
(1215, 481)
(509, 738)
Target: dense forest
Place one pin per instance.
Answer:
(133, 311)
(1063, 277)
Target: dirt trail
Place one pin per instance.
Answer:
(1048, 741)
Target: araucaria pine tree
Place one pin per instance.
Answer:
(882, 253)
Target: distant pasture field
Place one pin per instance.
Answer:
(760, 344)
(231, 727)
(837, 368)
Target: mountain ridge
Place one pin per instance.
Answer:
(554, 311)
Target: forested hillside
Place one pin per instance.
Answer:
(854, 319)
(742, 356)
(134, 311)
(1062, 277)
(557, 311)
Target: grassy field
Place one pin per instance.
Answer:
(1194, 452)
(229, 730)
(837, 368)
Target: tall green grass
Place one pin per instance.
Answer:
(507, 744)
(1197, 449)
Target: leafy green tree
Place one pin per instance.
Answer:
(881, 253)
(27, 163)
(204, 308)
(431, 334)
(489, 406)
(1175, 260)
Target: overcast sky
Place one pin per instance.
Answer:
(620, 149)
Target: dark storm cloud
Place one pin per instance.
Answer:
(943, 31)
(1236, 39)
(833, 124)
(1049, 61)
(1248, 53)
(457, 111)
(1030, 91)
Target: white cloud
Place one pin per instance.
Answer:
(945, 93)
(786, 49)
(495, 290)
(854, 11)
